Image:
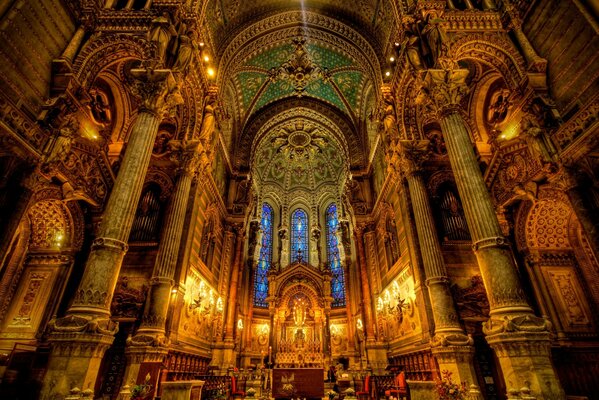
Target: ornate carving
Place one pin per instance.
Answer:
(445, 89)
(127, 302)
(472, 302)
(156, 90)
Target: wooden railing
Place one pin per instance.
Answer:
(185, 366)
(419, 366)
(215, 386)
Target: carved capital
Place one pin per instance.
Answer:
(189, 154)
(444, 89)
(413, 154)
(156, 90)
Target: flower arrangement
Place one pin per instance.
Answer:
(449, 390)
(143, 390)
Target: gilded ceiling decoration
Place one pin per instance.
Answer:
(300, 68)
(299, 154)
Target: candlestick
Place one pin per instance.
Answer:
(269, 355)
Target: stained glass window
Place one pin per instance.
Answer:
(260, 279)
(299, 236)
(338, 278)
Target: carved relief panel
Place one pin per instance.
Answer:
(568, 297)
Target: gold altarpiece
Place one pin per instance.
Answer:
(300, 305)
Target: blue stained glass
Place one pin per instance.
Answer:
(260, 278)
(338, 277)
(299, 236)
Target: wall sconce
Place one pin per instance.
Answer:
(393, 307)
(219, 305)
(197, 302)
(359, 324)
(239, 324)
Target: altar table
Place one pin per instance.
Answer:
(298, 382)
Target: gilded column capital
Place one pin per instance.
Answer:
(156, 90)
(444, 89)
(189, 154)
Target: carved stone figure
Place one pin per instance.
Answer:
(389, 119)
(435, 38)
(538, 142)
(208, 122)
(62, 143)
(412, 47)
(185, 52)
(160, 34)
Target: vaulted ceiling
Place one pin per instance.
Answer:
(300, 79)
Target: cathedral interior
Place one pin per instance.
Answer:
(215, 190)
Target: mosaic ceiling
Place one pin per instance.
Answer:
(299, 155)
(270, 76)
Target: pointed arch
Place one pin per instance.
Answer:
(299, 236)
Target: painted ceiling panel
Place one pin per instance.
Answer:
(319, 56)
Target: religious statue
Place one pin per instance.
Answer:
(185, 52)
(435, 37)
(538, 142)
(389, 120)
(208, 122)
(61, 146)
(411, 46)
(160, 34)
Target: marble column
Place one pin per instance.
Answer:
(80, 339)
(520, 339)
(150, 343)
(228, 356)
(365, 286)
(451, 346)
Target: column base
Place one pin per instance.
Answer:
(78, 345)
(377, 357)
(137, 355)
(454, 353)
(224, 355)
(75, 361)
(523, 347)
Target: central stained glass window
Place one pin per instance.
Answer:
(299, 236)
(260, 278)
(334, 258)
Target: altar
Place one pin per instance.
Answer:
(295, 383)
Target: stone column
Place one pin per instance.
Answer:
(229, 337)
(80, 339)
(150, 343)
(452, 348)
(533, 60)
(519, 338)
(365, 286)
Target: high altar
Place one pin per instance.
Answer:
(300, 304)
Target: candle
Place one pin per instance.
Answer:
(269, 354)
